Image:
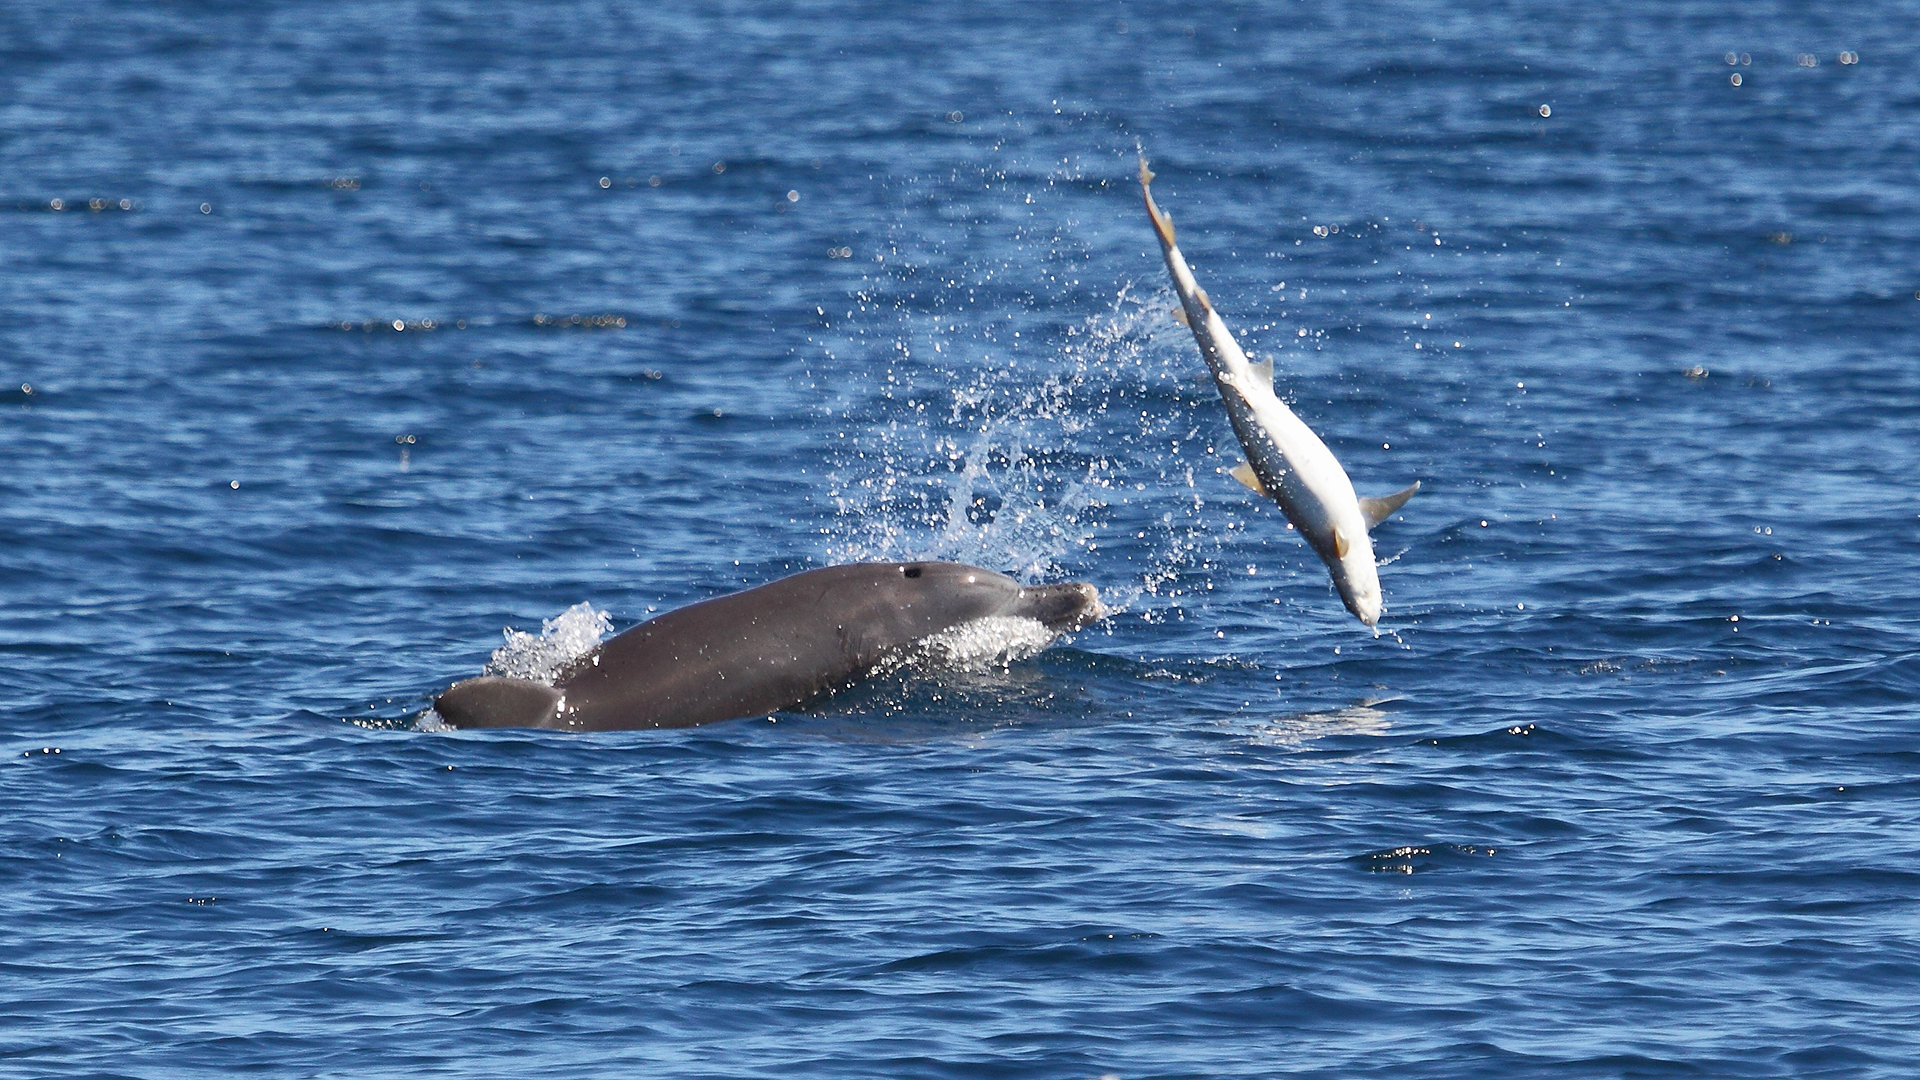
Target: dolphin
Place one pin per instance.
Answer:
(1286, 461)
(764, 649)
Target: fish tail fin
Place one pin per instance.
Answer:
(1162, 223)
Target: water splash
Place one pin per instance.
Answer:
(1000, 412)
(562, 640)
(981, 645)
(1016, 468)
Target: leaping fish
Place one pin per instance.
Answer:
(1286, 461)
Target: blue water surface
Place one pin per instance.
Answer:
(339, 337)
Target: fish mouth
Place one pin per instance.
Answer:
(1369, 616)
(1061, 608)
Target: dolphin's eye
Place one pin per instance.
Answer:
(910, 571)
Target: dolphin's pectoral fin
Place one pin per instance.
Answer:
(1244, 473)
(1339, 543)
(1180, 316)
(1376, 509)
(1264, 369)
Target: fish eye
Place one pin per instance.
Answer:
(910, 571)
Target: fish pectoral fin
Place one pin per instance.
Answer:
(1264, 369)
(1340, 547)
(1244, 473)
(1376, 509)
(1180, 316)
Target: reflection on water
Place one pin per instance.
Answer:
(1361, 718)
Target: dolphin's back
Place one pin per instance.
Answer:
(762, 650)
(750, 652)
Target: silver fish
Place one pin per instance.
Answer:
(1286, 461)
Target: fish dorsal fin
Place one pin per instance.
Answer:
(1244, 473)
(1376, 509)
(1340, 548)
(1264, 369)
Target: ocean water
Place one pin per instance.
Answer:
(341, 338)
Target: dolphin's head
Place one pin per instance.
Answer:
(945, 594)
(1061, 608)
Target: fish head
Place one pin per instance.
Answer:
(1354, 575)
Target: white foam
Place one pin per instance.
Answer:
(562, 640)
(980, 645)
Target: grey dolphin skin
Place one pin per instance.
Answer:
(765, 649)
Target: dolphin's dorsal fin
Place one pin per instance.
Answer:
(1264, 369)
(490, 701)
(1244, 473)
(1376, 509)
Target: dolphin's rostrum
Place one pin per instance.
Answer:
(764, 649)
(1286, 461)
